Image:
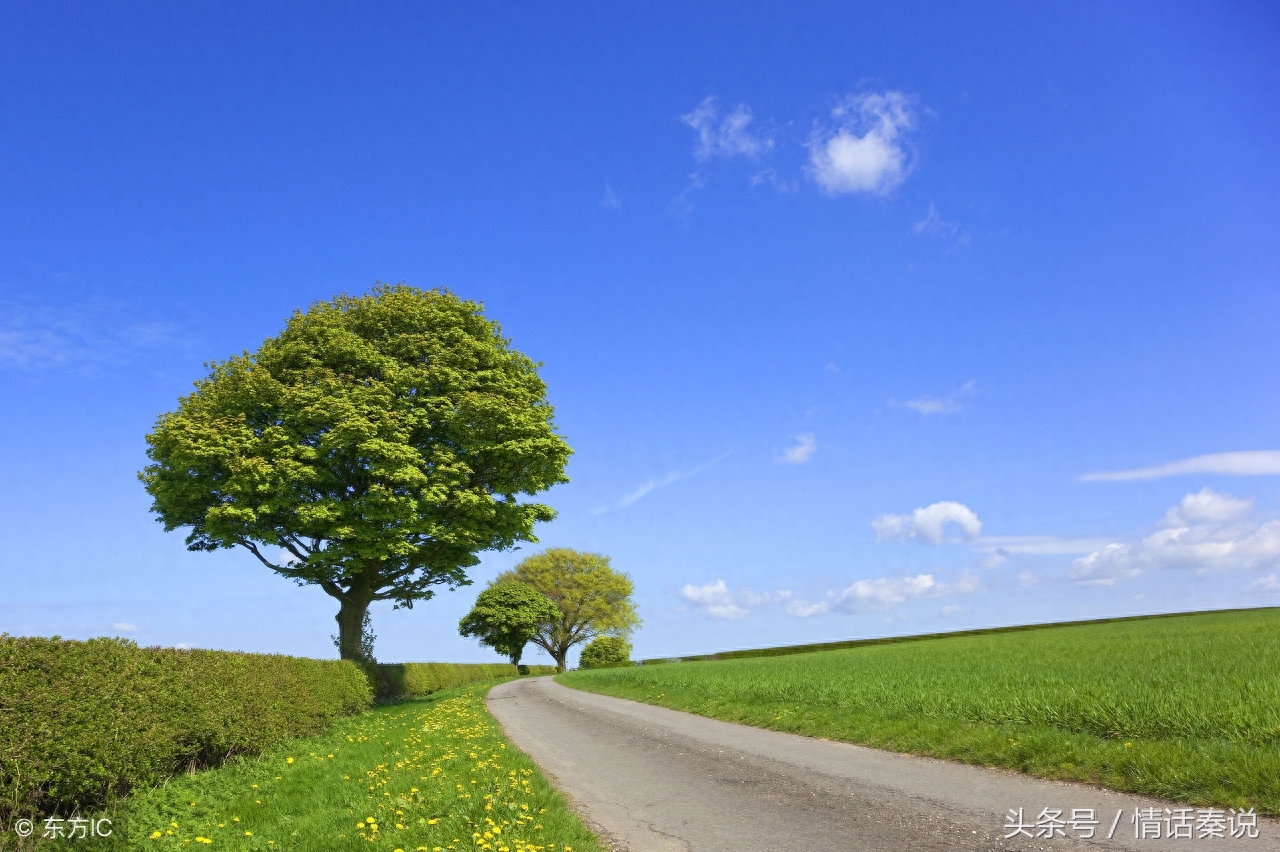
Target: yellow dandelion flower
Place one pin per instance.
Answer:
(288, 760)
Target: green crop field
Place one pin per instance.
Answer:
(1186, 707)
(431, 773)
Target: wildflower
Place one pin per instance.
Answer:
(155, 834)
(288, 760)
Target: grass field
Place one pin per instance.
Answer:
(1185, 707)
(432, 773)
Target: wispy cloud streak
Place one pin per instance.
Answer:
(1244, 463)
(647, 488)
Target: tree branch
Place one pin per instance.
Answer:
(253, 548)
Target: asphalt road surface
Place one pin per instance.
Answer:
(647, 778)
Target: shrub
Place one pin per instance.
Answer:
(407, 680)
(605, 652)
(82, 723)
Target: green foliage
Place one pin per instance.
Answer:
(314, 803)
(411, 680)
(593, 599)
(506, 616)
(379, 443)
(605, 652)
(1185, 707)
(82, 723)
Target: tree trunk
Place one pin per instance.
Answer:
(561, 656)
(350, 619)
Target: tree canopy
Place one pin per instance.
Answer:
(604, 652)
(506, 616)
(373, 449)
(593, 599)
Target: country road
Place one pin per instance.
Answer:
(647, 778)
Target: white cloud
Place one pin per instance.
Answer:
(805, 446)
(882, 593)
(997, 558)
(928, 524)
(865, 153)
(934, 224)
(946, 404)
(804, 609)
(184, 646)
(770, 177)
(1206, 506)
(1206, 532)
(35, 336)
(610, 199)
(1244, 463)
(1039, 545)
(718, 601)
(125, 627)
(725, 136)
(1269, 583)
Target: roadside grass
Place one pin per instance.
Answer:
(431, 773)
(1183, 707)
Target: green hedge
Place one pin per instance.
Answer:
(82, 723)
(406, 680)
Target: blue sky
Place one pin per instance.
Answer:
(861, 320)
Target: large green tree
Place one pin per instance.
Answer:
(373, 449)
(506, 616)
(593, 599)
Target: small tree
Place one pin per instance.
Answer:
(506, 616)
(603, 652)
(372, 449)
(593, 599)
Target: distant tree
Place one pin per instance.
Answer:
(593, 599)
(506, 616)
(605, 651)
(372, 449)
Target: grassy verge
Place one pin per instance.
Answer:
(431, 773)
(1184, 707)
